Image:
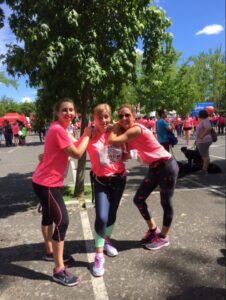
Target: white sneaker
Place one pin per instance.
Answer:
(98, 267)
(109, 249)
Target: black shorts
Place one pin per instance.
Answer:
(187, 128)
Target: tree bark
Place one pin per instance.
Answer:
(80, 175)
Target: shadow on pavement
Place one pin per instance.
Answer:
(201, 292)
(222, 260)
(16, 194)
(15, 258)
(188, 181)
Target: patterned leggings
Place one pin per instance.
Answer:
(53, 209)
(163, 173)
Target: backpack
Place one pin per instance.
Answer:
(171, 138)
(213, 135)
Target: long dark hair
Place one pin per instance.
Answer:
(58, 104)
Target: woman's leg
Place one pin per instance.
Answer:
(167, 184)
(115, 195)
(47, 232)
(203, 149)
(149, 183)
(102, 206)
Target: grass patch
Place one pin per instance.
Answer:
(68, 191)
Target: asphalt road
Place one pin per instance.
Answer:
(192, 267)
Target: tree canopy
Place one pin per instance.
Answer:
(83, 48)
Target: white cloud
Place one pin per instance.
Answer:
(139, 51)
(210, 29)
(26, 99)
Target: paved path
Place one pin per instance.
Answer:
(193, 267)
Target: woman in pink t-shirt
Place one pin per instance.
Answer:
(163, 171)
(15, 130)
(47, 181)
(187, 127)
(108, 179)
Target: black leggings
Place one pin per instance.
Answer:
(163, 173)
(108, 193)
(53, 209)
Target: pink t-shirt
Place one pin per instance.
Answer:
(106, 160)
(152, 123)
(148, 148)
(50, 172)
(187, 122)
(15, 128)
(195, 122)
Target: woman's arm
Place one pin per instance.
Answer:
(117, 138)
(78, 151)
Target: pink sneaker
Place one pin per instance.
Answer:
(157, 243)
(98, 266)
(149, 236)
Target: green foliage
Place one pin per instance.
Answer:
(68, 192)
(1, 15)
(178, 87)
(7, 105)
(208, 71)
(7, 81)
(70, 47)
(10, 105)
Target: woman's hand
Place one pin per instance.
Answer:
(40, 157)
(88, 131)
(117, 129)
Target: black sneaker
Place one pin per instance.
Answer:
(49, 257)
(66, 278)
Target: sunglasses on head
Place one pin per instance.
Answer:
(125, 115)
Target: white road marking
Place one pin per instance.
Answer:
(210, 188)
(12, 150)
(217, 157)
(99, 288)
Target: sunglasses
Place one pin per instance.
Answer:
(125, 115)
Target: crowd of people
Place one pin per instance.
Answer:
(13, 134)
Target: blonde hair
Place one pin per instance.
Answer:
(101, 108)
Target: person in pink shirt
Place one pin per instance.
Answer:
(152, 125)
(47, 181)
(195, 122)
(162, 171)
(109, 179)
(15, 128)
(187, 127)
(221, 124)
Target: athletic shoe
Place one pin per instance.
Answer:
(109, 249)
(65, 277)
(202, 172)
(49, 257)
(157, 243)
(98, 266)
(149, 236)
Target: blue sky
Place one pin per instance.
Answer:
(198, 25)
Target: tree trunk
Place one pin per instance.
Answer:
(80, 175)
